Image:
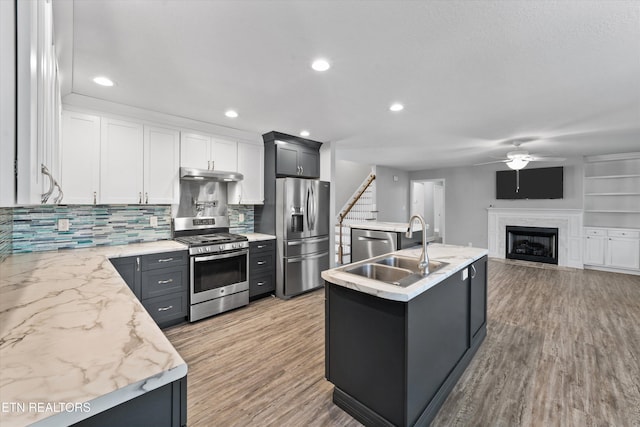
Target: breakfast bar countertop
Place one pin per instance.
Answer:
(74, 340)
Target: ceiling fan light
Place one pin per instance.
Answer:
(517, 163)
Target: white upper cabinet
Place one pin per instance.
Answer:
(121, 161)
(206, 152)
(224, 155)
(195, 150)
(161, 165)
(80, 158)
(249, 191)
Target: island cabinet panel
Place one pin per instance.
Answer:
(165, 406)
(437, 339)
(395, 363)
(365, 350)
(478, 293)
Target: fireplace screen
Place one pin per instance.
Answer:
(536, 244)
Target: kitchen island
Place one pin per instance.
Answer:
(395, 353)
(76, 345)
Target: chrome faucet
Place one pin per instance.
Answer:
(423, 263)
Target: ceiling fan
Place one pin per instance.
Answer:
(518, 158)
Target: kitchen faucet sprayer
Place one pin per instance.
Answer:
(423, 263)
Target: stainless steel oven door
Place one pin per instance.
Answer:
(215, 276)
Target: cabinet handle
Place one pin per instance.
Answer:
(473, 275)
(138, 263)
(262, 246)
(301, 170)
(262, 262)
(95, 198)
(260, 283)
(165, 308)
(164, 282)
(165, 260)
(146, 198)
(140, 198)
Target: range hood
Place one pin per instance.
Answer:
(209, 175)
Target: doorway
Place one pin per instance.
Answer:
(427, 199)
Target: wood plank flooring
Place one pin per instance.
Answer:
(563, 348)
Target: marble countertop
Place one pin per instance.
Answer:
(73, 333)
(256, 237)
(457, 257)
(398, 227)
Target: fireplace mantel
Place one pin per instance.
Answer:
(567, 221)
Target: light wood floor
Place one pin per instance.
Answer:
(563, 348)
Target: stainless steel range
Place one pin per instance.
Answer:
(218, 264)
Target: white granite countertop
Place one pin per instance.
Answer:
(256, 237)
(458, 257)
(398, 227)
(73, 333)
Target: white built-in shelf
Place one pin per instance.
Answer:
(611, 211)
(613, 176)
(612, 190)
(612, 194)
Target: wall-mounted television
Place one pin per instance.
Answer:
(540, 183)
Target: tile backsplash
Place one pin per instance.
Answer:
(34, 228)
(237, 226)
(6, 226)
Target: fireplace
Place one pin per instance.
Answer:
(537, 244)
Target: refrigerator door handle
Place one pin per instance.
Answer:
(312, 212)
(306, 257)
(308, 209)
(307, 241)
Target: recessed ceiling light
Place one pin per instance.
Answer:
(231, 113)
(304, 133)
(396, 107)
(103, 81)
(320, 65)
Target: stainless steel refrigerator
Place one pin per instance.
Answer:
(302, 232)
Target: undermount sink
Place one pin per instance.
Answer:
(409, 263)
(380, 272)
(395, 270)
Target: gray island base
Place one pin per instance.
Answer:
(395, 362)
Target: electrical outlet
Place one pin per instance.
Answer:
(63, 224)
(153, 221)
(241, 217)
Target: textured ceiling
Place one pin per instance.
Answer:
(471, 74)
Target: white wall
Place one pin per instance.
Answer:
(349, 177)
(7, 103)
(392, 197)
(327, 173)
(470, 190)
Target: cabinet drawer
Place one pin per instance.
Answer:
(629, 234)
(262, 246)
(164, 281)
(167, 307)
(163, 260)
(261, 262)
(262, 284)
(595, 232)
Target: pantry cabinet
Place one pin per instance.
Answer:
(207, 152)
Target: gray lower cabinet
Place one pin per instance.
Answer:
(262, 273)
(394, 363)
(160, 281)
(165, 406)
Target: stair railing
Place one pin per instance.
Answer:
(342, 215)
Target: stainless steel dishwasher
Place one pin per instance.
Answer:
(369, 243)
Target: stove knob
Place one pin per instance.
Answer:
(207, 249)
(221, 247)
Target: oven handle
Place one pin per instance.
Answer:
(221, 256)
